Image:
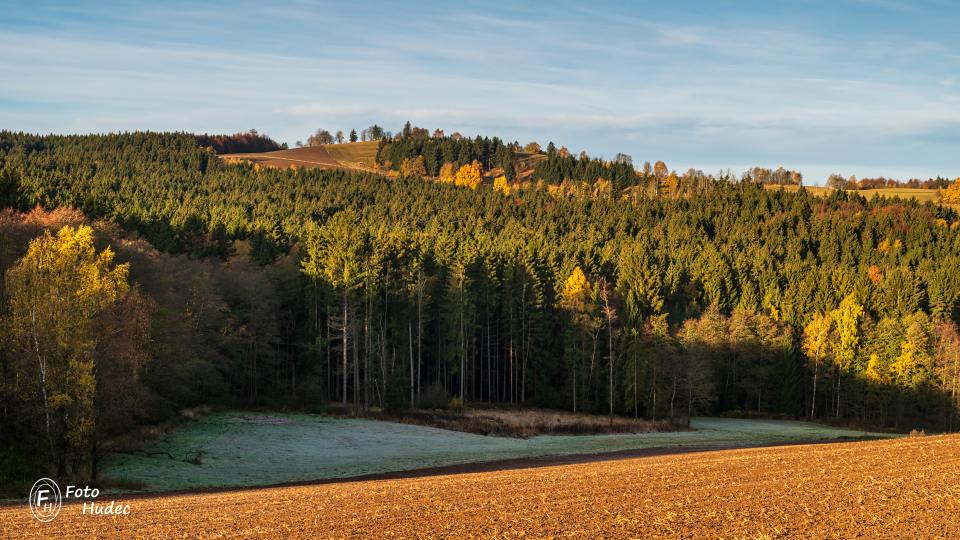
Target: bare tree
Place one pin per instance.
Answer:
(322, 136)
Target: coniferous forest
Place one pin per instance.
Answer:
(180, 280)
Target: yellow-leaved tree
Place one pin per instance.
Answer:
(846, 339)
(469, 176)
(951, 195)
(446, 173)
(816, 339)
(577, 298)
(875, 370)
(56, 291)
(501, 184)
(914, 366)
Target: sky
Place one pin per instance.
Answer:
(856, 87)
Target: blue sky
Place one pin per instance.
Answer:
(865, 87)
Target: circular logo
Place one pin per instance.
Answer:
(45, 500)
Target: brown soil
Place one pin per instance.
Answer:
(312, 157)
(904, 488)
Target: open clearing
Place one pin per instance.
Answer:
(360, 156)
(902, 488)
(238, 449)
(312, 157)
(921, 195)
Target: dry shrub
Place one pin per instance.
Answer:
(523, 423)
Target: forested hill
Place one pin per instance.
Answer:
(413, 292)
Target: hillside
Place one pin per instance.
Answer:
(349, 288)
(310, 157)
(362, 156)
(358, 155)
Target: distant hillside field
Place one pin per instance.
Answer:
(922, 195)
(363, 154)
(358, 156)
(312, 157)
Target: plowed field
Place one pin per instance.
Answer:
(903, 488)
(313, 157)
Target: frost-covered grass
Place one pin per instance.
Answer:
(252, 449)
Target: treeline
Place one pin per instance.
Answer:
(838, 181)
(238, 143)
(335, 286)
(414, 145)
(416, 152)
(560, 166)
(322, 136)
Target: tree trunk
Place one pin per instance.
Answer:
(813, 402)
(463, 356)
(610, 344)
(839, 376)
(383, 347)
(410, 340)
(574, 391)
(523, 345)
(419, 335)
(344, 343)
(43, 382)
(673, 393)
(366, 351)
(653, 393)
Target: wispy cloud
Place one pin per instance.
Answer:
(695, 84)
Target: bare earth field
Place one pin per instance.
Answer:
(359, 156)
(901, 488)
(313, 157)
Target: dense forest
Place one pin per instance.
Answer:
(159, 277)
(414, 148)
(250, 141)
